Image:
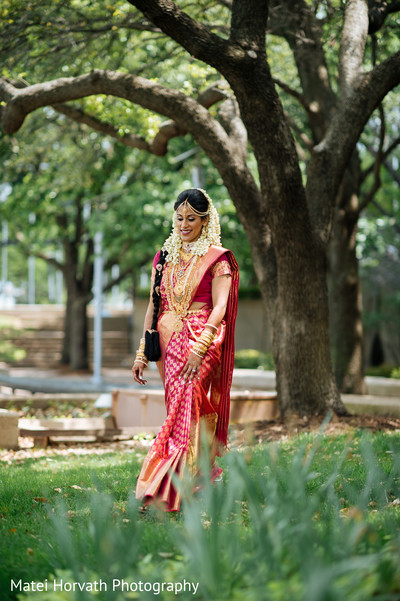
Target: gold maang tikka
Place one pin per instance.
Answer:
(185, 205)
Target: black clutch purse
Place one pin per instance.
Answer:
(152, 345)
(151, 337)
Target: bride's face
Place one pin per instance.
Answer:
(188, 224)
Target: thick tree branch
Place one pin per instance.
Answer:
(187, 112)
(352, 45)
(297, 23)
(378, 11)
(355, 110)
(77, 114)
(378, 82)
(229, 116)
(168, 102)
(332, 155)
(249, 23)
(197, 39)
(377, 165)
(168, 130)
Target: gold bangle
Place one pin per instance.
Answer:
(140, 355)
(145, 363)
(211, 326)
(200, 349)
(203, 343)
(206, 337)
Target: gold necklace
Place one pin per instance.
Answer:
(184, 260)
(179, 291)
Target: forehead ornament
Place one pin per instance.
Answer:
(187, 207)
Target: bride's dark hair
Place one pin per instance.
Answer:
(195, 198)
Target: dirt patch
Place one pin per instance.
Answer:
(268, 431)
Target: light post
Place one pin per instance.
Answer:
(4, 254)
(115, 289)
(5, 190)
(31, 270)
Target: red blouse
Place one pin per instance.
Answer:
(204, 292)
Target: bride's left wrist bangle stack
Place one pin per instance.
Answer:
(203, 343)
(140, 356)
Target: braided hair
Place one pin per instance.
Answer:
(156, 296)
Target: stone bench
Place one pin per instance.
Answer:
(146, 408)
(136, 411)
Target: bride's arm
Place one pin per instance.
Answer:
(138, 366)
(221, 286)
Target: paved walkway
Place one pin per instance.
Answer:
(63, 381)
(383, 394)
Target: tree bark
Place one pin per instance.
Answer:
(79, 348)
(66, 347)
(76, 346)
(345, 287)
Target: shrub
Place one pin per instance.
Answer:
(277, 528)
(395, 373)
(252, 359)
(383, 371)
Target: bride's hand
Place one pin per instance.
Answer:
(137, 370)
(191, 368)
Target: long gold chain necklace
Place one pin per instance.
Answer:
(180, 287)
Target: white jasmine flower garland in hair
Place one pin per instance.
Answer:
(210, 236)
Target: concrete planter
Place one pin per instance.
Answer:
(8, 429)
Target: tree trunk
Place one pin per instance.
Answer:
(65, 354)
(301, 338)
(345, 311)
(79, 284)
(300, 316)
(79, 333)
(345, 287)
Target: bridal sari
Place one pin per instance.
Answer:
(205, 400)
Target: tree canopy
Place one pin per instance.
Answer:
(224, 91)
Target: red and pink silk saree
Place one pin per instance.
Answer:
(205, 400)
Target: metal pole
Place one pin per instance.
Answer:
(31, 269)
(4, 253)
(115, 288)
(98, 292)
(31, 280)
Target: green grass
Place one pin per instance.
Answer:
(316, 518)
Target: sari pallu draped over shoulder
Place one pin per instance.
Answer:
(204, 400)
